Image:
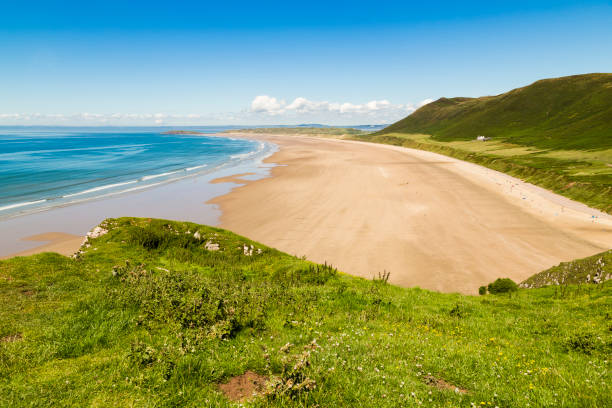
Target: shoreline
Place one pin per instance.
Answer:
(432, 220)
(321, 198)
(19, 233)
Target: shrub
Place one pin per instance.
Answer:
(502, 285)
(192, 300)
(586, 343)
(294, 379)
(482, 290)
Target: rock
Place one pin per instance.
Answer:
(197, 235)
(97, 232)
(211, 246)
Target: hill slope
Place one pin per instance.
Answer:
(594, 269)
(161, 313)
(572, 112)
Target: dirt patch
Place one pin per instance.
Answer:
(442, 385)
(244, 387)
(11, 338)
(569, 185)
(27, 292)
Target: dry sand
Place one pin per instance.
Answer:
(432, 221)
(60, 242)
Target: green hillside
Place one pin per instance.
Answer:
(594, 269)
(161, 313)
(562, 113)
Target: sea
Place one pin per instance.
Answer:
(46, 167)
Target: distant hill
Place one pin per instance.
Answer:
(573, 112)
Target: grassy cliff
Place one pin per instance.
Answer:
(594, 269)
(562, 113)
(555, 133)
(161, 313)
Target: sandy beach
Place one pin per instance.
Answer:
(432, 221)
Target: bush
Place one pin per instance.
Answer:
(502, 285)
(482, 290)
(586, 343)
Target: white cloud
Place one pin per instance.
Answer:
(425, 102)
(264, 109)
(265, 103)
(375, 111)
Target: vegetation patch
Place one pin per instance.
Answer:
(594, 269)
(586, 342)
(502, 285)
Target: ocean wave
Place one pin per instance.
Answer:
(93, 190)
(138, 182)
(260, 148)
(11, 206)
(154, 176)
(27, 152)
(196, 167)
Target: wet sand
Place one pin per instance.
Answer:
(432, 221)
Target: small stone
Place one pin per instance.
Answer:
(211, 246)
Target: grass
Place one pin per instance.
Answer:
(573, 112)
(146, 316)
(555, 133)
(595, 268)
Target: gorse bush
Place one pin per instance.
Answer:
(502, 285)
(587, 343)
(192, 300)
(160, 235)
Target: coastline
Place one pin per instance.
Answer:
(49, 229)
(366, 208)
(431, 220)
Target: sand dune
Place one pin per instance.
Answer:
(432, 221)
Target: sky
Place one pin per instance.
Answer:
(266, 62)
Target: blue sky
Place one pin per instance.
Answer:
(346, 62)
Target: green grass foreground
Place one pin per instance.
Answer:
(147, 316)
